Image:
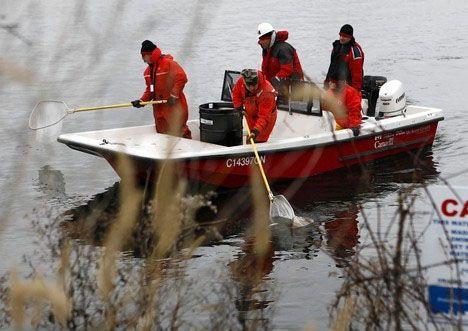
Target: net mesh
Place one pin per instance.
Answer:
(281, 211)
(47, 113)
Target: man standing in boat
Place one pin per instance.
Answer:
(165, 80)
(280, 65)
(254, 95)
(345, 103)
(347, 58)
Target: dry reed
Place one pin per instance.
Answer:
(37, 292)
(94, 289)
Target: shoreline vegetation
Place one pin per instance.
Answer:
(131, 267)
(126, 261)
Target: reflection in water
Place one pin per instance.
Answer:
(332, 200)
(51, 182)
(222, 216)
(333, 197)
(342, 234)
(362, 182)
(253, 295)
(91, 220)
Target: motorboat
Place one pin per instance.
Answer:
(303, 143)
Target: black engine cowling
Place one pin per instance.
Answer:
(370, 91)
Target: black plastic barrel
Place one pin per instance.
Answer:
(220, 124)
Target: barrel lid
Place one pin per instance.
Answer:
(216, 107)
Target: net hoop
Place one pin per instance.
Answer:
(36, 109)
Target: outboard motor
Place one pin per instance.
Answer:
(370, 91)
(392, 100)
(220, 124)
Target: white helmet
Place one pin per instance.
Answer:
(264, 28)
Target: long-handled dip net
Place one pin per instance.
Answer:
(281, 212)
(47, 113)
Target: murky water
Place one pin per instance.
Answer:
(88, 54)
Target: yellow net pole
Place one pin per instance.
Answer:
(119, 105)
(259, 162)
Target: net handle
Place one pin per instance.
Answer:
(119, 105)
(259, 162)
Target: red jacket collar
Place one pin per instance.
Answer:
(282, 35)
(156, 56)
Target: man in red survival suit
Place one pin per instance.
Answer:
(165, 79)
(348, 98)
(254, 95)
(347, 58)
(280, 65)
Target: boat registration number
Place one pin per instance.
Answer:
(243, 161)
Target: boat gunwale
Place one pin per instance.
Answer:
(236, 154)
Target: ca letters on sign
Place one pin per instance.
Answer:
(444, 241)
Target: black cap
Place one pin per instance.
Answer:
(147, 46)
(347, 30)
